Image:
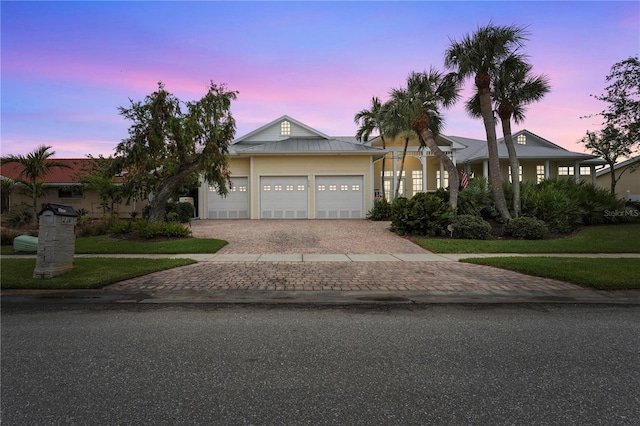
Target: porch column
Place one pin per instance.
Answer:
(441, 183)
(424, 159)
(593, 175)
(546, 169)
(485, 169)
(576, 171)
(393, 179)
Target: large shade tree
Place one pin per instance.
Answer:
(621, 133)
(479, 55)
(34, 167)
(370, 121)
(170, 141)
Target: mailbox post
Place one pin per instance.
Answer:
(56, 240)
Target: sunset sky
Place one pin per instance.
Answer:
(67, 66)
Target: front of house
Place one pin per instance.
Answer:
(288, 170)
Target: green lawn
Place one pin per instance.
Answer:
(592, 239)
(601, 274)
(104, 245)
(87, 273)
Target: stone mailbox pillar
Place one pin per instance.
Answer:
(56, 240)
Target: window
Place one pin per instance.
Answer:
(301, 187)
(277, 187)
(266, 188)
(522, 139)
(585, 171)
(442, 184)
(289, 187)
(519, 174)
(565, 170)
(232, 189)
(539, 173)
(344, 187)
(416, 181)
(70, 192)
(333, 188)
(285, 128)
(242, 188)
(355, 187)
(321, 187)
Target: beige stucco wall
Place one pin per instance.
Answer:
(628, 182)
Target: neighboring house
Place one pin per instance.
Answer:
(286, 169)
(62, 186)
(628, 187)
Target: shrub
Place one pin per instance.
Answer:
(121, 227)
(19, 215)
(7, 236)
(381, 210)
(470, 227)
(477, 199)
(553, 203)
(179, 212)
(86, 227)
(528, 228)
(424, 214)
(149, 230)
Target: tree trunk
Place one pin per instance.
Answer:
(404, 155)
(494, 160)
(454, 179)
(35, 201)
(613, 179)
(166, 188)
(513, 162)
(384, 146)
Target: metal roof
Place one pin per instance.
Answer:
(307, 146)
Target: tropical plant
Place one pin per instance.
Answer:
(35, 166)
(479, 55)
(423, 214)
(429, 92)
(526, 228)
(170, 141)
(6, 187)
(381, 210)
(477, 199)
(398, 124)
(372, 120)
(470, 227)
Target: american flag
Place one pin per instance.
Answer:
(465, 179)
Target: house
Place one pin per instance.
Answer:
(286, 169)
(62, 186)
(628, 187)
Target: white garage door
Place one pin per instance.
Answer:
(235, 205)
(339, 197)
(284, 197)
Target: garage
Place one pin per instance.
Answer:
(339, 197)
(284, 197)
(234, 206)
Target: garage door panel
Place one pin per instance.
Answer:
(339, 197)
(284, 197)
(234, 206)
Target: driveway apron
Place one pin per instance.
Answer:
(327, 237)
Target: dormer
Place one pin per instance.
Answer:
(282, 128)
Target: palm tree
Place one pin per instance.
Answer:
(429, 92)
(398, 122)
(515, 88)
(478, 56)
(35, 166)
(371, 120)
(6, 187)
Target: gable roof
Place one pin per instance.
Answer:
(302, 145)
(535, 147)
(268, 134)
(618, 166)
(57, 175)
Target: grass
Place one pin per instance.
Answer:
(104, 245)
(601, 274)
(87, 272)
(593, 239)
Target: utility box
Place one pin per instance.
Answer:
(56, 240)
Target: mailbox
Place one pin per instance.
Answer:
(56, 240)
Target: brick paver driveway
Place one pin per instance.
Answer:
(329, 237)
(304, 236)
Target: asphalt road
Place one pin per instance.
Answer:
(205, 365)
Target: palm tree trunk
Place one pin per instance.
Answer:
(514, 164)
(454, 179)
(494, 160)
(404, 155)
(384, 146)
(35, 201)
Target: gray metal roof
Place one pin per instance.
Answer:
(306, 146)
(627, 162)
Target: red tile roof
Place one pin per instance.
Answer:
(56, 174)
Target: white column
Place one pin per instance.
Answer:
(441, 183)
(393, 179)
(485, 169)
(576, 171)
(546, 169)
(424, 159)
